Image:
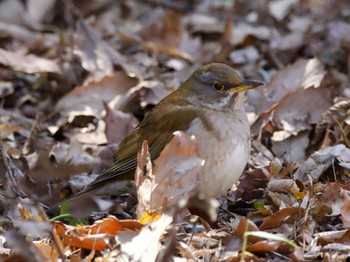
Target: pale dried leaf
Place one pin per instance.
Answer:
(345, 211)
(296, 113)
(292, 148)
(318, 162)
(30, 64)
(176, 170)
(118, 124)
(242, 30)
(144, 178)
(246, 55)
(280, 8)
(88, 99)
(38, 10)
(338, 31)
(24, 34)
(299, 23)
(176, 174)
(287, 42)
(12, 11)
(300, 75)
(94, 57)
(146, 245)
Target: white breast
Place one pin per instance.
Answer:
(225, 150)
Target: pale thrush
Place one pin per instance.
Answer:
(209, 105)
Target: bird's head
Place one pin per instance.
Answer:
(217, 86)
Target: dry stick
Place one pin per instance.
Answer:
(348, 64)
(226, 46)
(271, 56)
(56, 242)
(342, 132)
(179, 6)
(26, 146)
(16, 116)
(151, 46)
(10, 181)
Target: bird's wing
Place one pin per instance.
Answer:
(157, 128)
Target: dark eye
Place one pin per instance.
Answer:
(218, 86)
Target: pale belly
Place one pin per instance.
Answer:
(226, 153)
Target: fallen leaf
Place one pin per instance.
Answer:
(175, 174)
(303, 74)
(286, 215)
(318, 162)
(118, 124)
(176, 169)
(279, 9)
(264, 246)
(88, 99)
(246, 225)
(12, 12)
(293, 148)
(241, 31)
(28, 63)
(92, 53)
(37, 11)
(95, 236)
(345, 211)
(327, 237)
(294, 113)
(337, 32)
(146, 245)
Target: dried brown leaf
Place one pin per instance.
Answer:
(176, 169)
(94, 237)
(327, 237)
(286, 215)
(345, 211)
(245, 225)
(264, 246)
(144, 177)
(176, 172)
(146, 245)
(251, 186)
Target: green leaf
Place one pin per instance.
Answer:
(270, 236)
(67, 217)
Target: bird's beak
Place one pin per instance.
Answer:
(247, 84)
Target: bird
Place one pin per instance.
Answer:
(209, 105)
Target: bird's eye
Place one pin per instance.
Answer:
(218, 86)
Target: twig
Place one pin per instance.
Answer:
(271, 56)
(341, 130)
(26, 146)
(179, 6)
(151, 46)
(16, 116)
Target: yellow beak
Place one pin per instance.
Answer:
(246, 85)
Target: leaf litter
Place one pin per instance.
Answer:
(77, 78)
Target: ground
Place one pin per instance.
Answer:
(76, 77)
